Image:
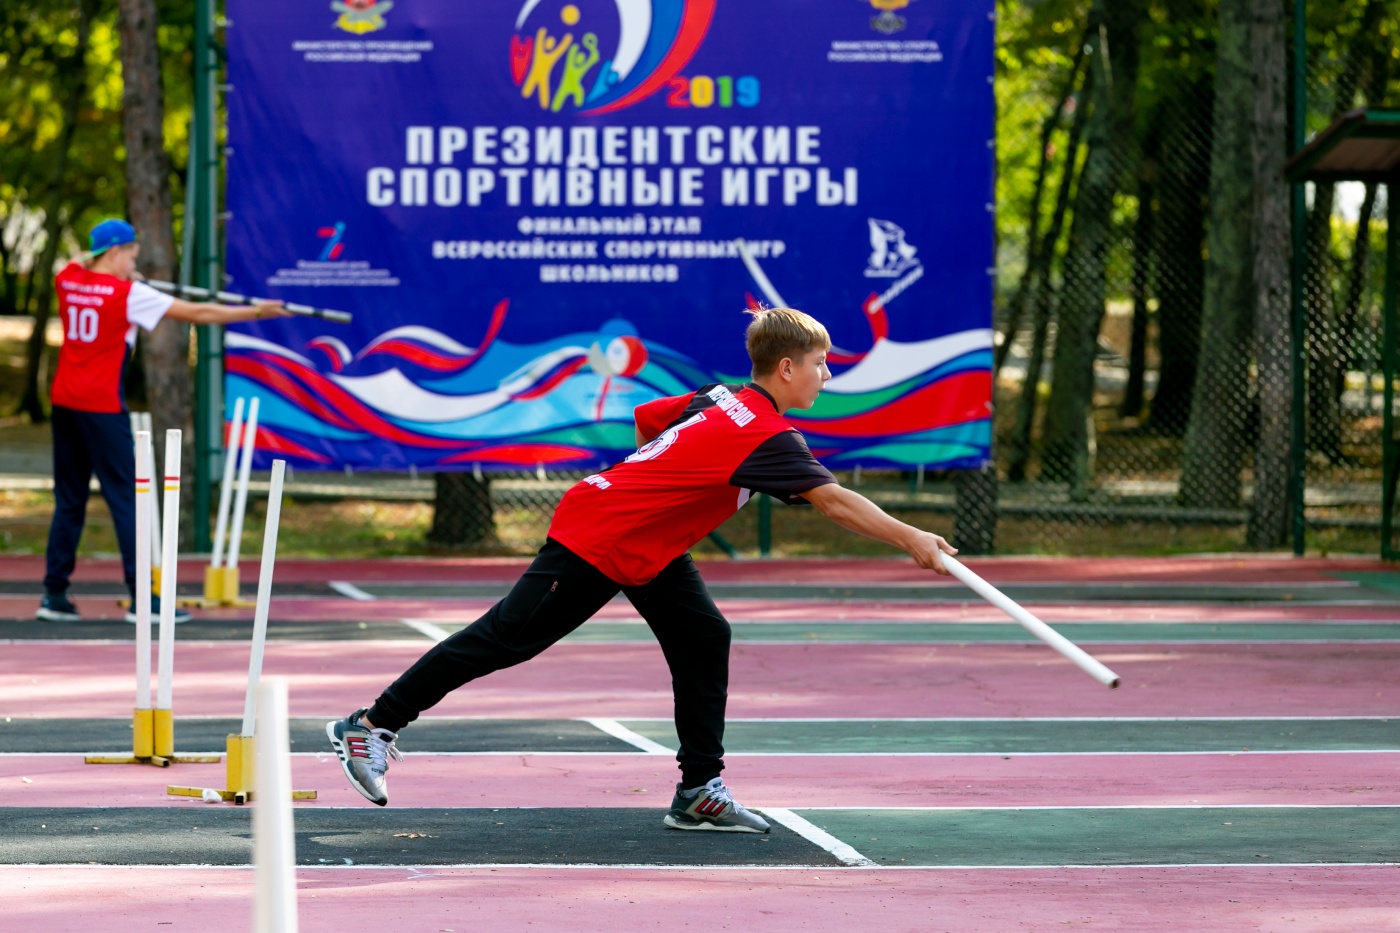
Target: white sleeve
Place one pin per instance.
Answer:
(146, 306)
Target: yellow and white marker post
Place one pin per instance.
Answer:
(230, 582)
(274, 837)
(240, 763)
(165, 654)
(153, 730)
(221, 585)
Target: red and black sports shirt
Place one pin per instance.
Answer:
(709, 451)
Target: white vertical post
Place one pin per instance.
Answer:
(171, 538)
(240, 500)
(274, 843)
(157, 552)
(235, 434)
(269, 558)
(142, 600)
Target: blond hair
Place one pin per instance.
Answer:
(776, 334)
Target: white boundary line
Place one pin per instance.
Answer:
(424, 627)
(963, 719)
(351, 591)
(663, 750)
(817, 836)
(594, 866)
(618, 731)
(766, 643)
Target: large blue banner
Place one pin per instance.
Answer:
(544, 213)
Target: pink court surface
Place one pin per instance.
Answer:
(927, 765)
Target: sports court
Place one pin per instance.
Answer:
(927, 765)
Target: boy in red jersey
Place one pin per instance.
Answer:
(100, 306)
(628, 529)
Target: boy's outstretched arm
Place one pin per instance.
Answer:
(850, 509)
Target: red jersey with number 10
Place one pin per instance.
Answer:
(96, 339)
(708, 452)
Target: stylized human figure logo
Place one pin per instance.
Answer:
(361, 16)
(561, 63)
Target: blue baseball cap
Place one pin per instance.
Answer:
(110, 233)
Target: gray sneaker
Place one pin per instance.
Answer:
(364, 755)
(713, 808)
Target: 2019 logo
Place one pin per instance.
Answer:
(597, 57)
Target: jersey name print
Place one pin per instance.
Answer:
(707, 451)
(100, 314)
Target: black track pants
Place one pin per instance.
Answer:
(558, 593)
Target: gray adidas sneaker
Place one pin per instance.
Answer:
(712, 808)
(364, 755)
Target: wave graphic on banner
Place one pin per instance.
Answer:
(414, 396)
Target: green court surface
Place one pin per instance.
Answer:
(1040, 736)
(557, 836)
(1118, 836)
(769, 737)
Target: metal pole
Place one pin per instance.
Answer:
(1388, 389)
(1299, 212)
(765, 525)
(203, 175)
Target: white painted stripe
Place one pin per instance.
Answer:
(962, 719)
(1141, 806)
(765, 643)
(435, 632)
(818, 837)
(351, 591)
(729, 754)
(618, 731)
(691, 867)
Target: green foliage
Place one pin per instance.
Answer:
(37, 65)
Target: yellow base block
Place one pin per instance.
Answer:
(163, 721)
(142, 733)
(239, 764)
(156, 760)
(221, 585)
(155, 580)
(237, 797)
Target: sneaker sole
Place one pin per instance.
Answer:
(344, 758)
(53, 615)
(685, 823)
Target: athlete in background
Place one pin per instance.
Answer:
(628, 529)
(101, 305)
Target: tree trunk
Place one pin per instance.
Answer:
(1144, 236)
(166, 350)
(1041, 288)
(1215, 433)
(462, 513)
(41, 276)
(975, 510)
(1326, 353)
(1113, 57)
(1324, 421)
(1355, 292)
(1269, 512)
(1181, 270)
(1033, 270)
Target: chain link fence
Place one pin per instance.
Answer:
(1128, 372)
